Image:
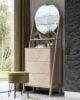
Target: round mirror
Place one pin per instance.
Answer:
(47, 18)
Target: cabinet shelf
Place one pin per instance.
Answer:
(45, 39)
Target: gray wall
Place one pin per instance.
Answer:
(35, 4)
(72, 48)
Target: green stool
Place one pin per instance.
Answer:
(16, 78)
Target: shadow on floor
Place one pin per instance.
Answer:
(44, 91)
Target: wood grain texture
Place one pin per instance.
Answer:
(38, 64)
(39, 80)
(38, 67)
(40, 54)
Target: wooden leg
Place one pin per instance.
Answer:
(14, 91)
(50, 92)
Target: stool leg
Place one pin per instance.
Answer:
(11, 87)
(9, 90)
(14, 91)
(22, 90)
(23, 87)
(27, 91)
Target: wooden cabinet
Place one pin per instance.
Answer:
(38, 64)
(44, 63)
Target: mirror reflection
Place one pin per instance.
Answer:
(47, 19)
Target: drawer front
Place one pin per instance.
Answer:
(37, 54)
(37, 67)
(39, 80)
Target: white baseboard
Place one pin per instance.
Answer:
(72, 94)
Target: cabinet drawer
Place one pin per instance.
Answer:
(37, 67)
(39, 80)
(37, 54)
